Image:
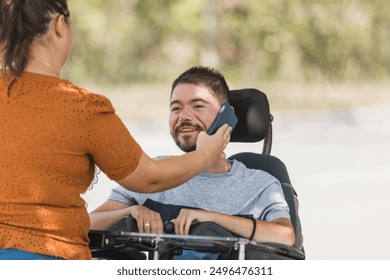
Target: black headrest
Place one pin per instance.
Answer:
(252, 109)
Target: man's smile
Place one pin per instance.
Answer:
(187, 129)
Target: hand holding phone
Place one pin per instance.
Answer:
(225, 115)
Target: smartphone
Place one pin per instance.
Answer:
(225, 115)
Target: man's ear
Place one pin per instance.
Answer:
(59, 26)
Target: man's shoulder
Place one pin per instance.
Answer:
(253, 173)
(243, 168)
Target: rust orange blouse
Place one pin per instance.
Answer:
(52, 133)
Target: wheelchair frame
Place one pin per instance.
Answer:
(167, 245)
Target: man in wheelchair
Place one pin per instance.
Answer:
(234, 199)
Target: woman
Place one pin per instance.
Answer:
(53, 133)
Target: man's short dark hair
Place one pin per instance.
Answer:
(208, 77)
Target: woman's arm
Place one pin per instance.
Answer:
(159, 175)
(104, 216)
(107, 213)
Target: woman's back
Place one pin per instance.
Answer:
(49, 130)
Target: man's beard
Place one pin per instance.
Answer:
(186, 144)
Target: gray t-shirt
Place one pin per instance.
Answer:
(241, 191)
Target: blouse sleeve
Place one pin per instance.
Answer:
(109, 142)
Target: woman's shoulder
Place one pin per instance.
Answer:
(63, 87)
(70, 88)
(92, 101)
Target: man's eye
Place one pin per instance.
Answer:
(198, 106)
(175, 109)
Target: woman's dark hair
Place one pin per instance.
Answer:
(20, 22)
(206, 76)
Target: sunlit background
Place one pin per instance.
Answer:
(325, 66)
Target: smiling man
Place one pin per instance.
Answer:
(247, 202)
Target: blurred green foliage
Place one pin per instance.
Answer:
(132, 41)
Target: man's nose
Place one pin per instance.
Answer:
(186, 115)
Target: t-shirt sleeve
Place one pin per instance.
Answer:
(273, 197)
(110, 144)
(122, 195)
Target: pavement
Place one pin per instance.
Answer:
(339, 164)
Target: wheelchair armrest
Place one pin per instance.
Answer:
(253, 250)
(210, 229)
(272, 251)
(126, 223)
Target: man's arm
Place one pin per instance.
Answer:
(277, 231)
(107, 213)
(148, 221)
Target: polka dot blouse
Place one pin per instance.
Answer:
(52, 134)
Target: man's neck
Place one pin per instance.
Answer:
(221, 166)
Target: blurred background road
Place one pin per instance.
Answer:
(339, 163)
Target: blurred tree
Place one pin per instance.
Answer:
(344, 39)
(130, 41)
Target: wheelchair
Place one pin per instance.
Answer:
(121, 241)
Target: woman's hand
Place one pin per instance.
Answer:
(214, 145)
